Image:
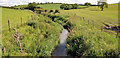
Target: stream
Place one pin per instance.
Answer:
(61, 49)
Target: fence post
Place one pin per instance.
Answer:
(9, 25)
(83, 19)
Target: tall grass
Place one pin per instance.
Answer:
(39, 37)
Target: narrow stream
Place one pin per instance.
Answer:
(61, 49)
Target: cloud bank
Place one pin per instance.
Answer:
(22, 2)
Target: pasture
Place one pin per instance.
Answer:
(14, 16)
(49, 6)
(40, 36)
(86, 38)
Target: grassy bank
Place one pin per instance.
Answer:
(38, 38)
(86, 37)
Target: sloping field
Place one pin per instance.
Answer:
(14, 16)
(86, 37)
(94, 15)
(50, 6)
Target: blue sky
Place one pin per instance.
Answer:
(21, 2)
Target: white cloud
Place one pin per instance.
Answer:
(21, 2)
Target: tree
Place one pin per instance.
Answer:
(88, 4)
(66, 6)
(74, 6)
(102, 5)
(31, 6)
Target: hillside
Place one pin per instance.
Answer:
(86, 37)
(50, 6)
(40, 36)
(34, 37)
(14, 16)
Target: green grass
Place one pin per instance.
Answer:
(21, 6)
(109, 15)
(0, 31)
(14, 16)
(39, 37)
(88, 40)
(50, 6)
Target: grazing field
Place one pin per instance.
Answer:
(50, 6)
(14, 16)
(40, 36)
(86, 37)
(21, 6)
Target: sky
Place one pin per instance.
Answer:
(22, 2)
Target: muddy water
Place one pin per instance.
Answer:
(61, 49)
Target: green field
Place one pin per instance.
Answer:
(14, 16)
(21, 6)
(87, 39)
(40, 36)
(50, 6)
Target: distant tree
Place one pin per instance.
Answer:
(66, 6)
(88, 4)
(41, 3)
(31, 6)
(51, 2)
(74, 6)
(102, 5)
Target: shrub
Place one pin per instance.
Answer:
(57, 11)
(69, 6)
(45, 10)
(32, 23)
(31, 6)
(74, 6)
(50, 11)
(87, 4)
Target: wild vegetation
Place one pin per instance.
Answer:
(69, 6)
(36, 37)
(39, 36)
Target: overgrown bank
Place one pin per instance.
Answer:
(86, 40)
(36, 37)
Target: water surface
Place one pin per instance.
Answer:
(61, 50)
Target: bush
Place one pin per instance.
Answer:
(74, 6)
(32, 23)
(69, 6)
(50, 11)
(57, 11)
(45, 10)
(88, 4)
(31, 6)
